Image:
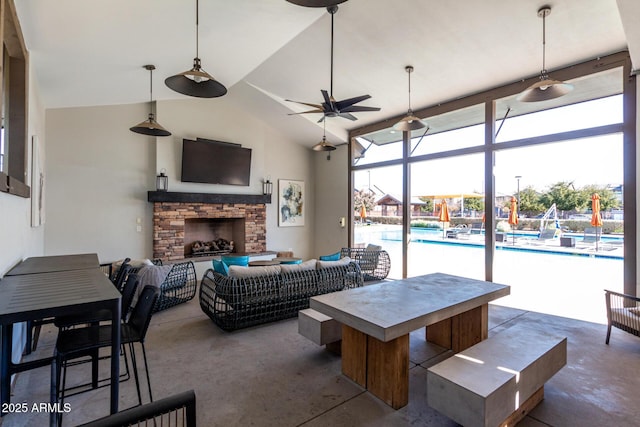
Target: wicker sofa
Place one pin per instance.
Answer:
(271, 294)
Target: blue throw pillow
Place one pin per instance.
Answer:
(332, 257)
(220, 267)
(236, 260)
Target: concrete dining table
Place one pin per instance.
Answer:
(38, 295)
(377, 319)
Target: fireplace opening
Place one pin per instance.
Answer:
(213, 236)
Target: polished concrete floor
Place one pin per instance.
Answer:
(269, 375)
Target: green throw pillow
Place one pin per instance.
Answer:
(220, 267)
(332, 257)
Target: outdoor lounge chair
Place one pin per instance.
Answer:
(476, 228)
(372, 260)
(459, 231)
(623, 312)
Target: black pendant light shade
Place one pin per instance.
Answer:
(196, 82)
(546, 88)
(410, 121)
(316, 3)
(150, 126)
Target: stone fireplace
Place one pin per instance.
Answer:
(176, 225)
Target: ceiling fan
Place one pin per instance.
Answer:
(330, 107)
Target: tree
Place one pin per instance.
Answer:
(608, 199)
(530, 203)
(366, 197)
(474, 204)
(428, 204)
(564, 195)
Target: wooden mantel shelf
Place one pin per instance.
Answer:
(179, 197)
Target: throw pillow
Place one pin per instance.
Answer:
(332, 257)
(236, 260)
(244, 272)
(371, 247)
(328, 264)
(220, 267)
(303, 266)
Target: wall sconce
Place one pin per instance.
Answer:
(267, 187)
(162, 181)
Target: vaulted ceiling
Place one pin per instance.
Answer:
(88, 53)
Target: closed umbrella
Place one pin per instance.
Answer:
(444, 215)
(596, 219)
(513, 216)
(363, 212)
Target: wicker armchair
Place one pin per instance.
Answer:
(178, 287)
(623, 312)
(238, 302)
(373, 261)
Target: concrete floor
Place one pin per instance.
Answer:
(269, 375)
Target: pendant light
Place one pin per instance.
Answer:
(546, 88)
(409, 122)
(316, 3)
(196, 82)
(324, 145)
(150, 126)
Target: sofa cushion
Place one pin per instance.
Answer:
(328, 264)
(303, 266)
(236, 260)
(220, 267)
(332, 257)
(240, 271)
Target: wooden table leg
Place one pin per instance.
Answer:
(461, 331)
(388, 370)
(354, 355)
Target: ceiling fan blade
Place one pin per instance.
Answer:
(321, 119)
(348, 102)
(356, 108)
(306, 112)
(348, 116)
(318, 106)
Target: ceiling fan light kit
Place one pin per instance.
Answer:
(196, 82)
(150, 126)
(546, 88)
(410, 121)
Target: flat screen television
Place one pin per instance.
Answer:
(215, 162)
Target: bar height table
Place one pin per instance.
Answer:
(37, 296)
(48, 264)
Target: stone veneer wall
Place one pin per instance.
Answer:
(168, 225)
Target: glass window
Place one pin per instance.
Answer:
(377, 147)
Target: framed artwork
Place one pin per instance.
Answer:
(37, 184)
(291, 203)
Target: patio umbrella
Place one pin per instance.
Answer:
(513, 216)
(363, 212)
(596, 219)
(444, 215)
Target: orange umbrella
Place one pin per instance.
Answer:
(596, 219)
(513, 216)
(444, 215)
(363, 212)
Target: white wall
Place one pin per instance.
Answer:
(100, 172)
(332, 195)
(18, 240)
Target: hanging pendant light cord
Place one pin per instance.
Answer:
(151, 89)
(331, 84)
(410, 110)
(544, 42)
(197, 29)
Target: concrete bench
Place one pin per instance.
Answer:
(320, 328)
(497, 381)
